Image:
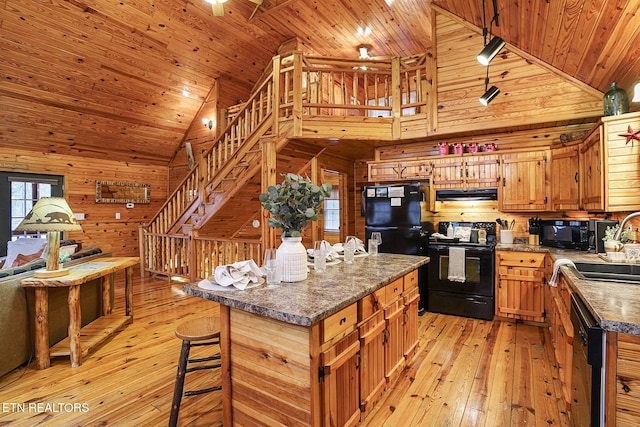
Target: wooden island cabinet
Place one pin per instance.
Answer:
(319, 352)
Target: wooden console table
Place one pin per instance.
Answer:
(93, 334)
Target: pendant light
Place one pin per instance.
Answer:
(490, 51)
(489, 95)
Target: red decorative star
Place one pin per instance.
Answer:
(631, 134)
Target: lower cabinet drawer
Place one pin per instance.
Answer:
(341, 322)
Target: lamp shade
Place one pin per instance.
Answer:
(50, 214)
(489, 95)
(490, 51)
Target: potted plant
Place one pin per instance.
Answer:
(292, 204)
(611, 245)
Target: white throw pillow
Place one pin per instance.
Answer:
(24, 246)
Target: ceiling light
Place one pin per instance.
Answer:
(363, 50)
(490, 51)
(216, 1)
(636, 93)
(185, 92)
(489, 95)
(364, 30)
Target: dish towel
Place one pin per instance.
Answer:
(241, 275)
(457, 261)
(556, 267)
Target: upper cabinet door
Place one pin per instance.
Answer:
(482, 171)
(565, 178)
(524, 182)
(591, 175)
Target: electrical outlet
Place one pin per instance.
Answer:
(117, 215)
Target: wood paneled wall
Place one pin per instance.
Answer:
(100, 227)
(530, 91)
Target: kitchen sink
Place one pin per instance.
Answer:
(609, 272)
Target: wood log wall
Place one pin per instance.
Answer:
(100, 227)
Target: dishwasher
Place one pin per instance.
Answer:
(588, 362)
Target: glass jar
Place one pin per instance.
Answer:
(615, 101)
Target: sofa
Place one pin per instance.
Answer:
(17, 328)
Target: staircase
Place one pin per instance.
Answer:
(169, 243)
(325, 92)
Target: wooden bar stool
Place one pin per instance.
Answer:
(198, 332)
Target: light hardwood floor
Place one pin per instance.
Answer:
(467, 373)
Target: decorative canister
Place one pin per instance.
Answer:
(293, 259)
(458, 148)
(473, 147)
(615, 101)
(444, 148)
(489, 146)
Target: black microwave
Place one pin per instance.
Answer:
(564, 233)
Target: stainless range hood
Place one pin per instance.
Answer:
(470, 195)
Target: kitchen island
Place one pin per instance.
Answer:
(291, 353)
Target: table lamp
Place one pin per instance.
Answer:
(53, 215)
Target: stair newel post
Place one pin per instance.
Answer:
(269, 176)
(316, 231)
(276, 95)
(194, 268)
(297, 94)
(396, 96)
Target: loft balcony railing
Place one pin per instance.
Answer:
(309, 92)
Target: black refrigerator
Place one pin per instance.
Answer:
(394, 211)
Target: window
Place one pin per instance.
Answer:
(25, 194)
(18, 193)
(332, 211)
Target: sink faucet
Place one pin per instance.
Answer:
(618, 234)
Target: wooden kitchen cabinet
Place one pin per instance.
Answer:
(591, 171)
(520, 278)
(622, 372)
(610, 167)
(524, 177)
(388, 330)
(565, 177)
(411, 298)
(340, 387)
(399, 170)
(558, 307)
(394, 334)
(467, 171)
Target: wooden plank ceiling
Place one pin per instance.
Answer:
(100, 78)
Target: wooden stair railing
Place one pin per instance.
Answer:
(189, 196)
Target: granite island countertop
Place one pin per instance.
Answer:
(320, 295)
(616, 306)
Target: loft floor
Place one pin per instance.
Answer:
(467, 372)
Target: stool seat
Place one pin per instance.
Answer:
(207, 330)
(202, 329)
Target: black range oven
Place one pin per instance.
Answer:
(472, 296)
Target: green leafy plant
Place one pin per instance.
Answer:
(293, 203)
(610, 232)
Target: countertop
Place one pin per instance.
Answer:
(320, 295)
(616, 306)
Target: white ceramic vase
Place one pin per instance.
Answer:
(292, 256)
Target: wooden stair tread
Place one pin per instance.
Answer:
(92, 334)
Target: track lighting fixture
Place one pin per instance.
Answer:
(208, 123)
(489, 95)
(490, 51)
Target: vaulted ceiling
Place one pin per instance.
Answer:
(125, 80)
